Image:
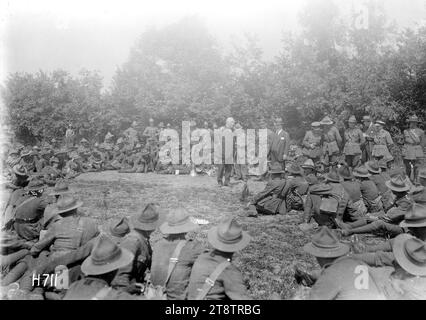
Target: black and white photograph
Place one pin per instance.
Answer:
(213, 150)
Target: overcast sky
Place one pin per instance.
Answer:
(71, 35)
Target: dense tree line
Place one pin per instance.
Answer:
(179, 72)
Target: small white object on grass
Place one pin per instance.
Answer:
(199, 221)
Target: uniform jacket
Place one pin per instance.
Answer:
(68, 233)
(179, 279)
(337, 282)
(340, 193)
(312, 145)
(412, 149)
(369, 190)
(354, 138)
(332, 140)
(229, 285)
(380, 182)
(139, 246)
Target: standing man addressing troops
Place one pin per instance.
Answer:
(227, 161)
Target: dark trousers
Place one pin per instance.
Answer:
(224, 170)
(241, 172)
(412, 174)
(376, 227)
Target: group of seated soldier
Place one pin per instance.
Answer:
(45, 234)
(339, 205)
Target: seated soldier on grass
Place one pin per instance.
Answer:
(100, 268)
(137, 242)
(356, 205)
(382, 255)
(369, 191)
(337, 278)
(386, 223)
(174, 255)
(214, 276)
(269, 200)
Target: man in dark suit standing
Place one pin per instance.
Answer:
(280, 144)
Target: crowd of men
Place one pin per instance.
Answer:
(46, 233)
(345, 186)
(358, 191)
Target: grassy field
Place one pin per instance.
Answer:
(267, 263)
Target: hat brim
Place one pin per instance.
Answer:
(371, 169)
(20, 173)
(357, 175)
(340, 251)
(224, 247)
(327, 123)
(401, 258)
(77, 205)
(144, 226)
(393, 188)
(332, 180)
(407, 224)
(88, 268)
(165, 228)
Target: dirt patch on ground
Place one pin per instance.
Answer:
(267, 263)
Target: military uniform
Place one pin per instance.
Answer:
(356, 206)
(413, 151)
(386, 194)
(28, 163)
(96, 160)
(229, 284)
(140, 247)
(332, 140)
(368, 133)
(269, 200)
(179, 279)
(354, 138)
(312, 146)
(294, 191)
(382, 141)
(371, 196)
(131, 136)
(151, 132)
(338, 282)
(67, 234)
(50, 175)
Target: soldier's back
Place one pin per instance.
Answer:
(341, 279)
(229, 284)
(179, 279)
